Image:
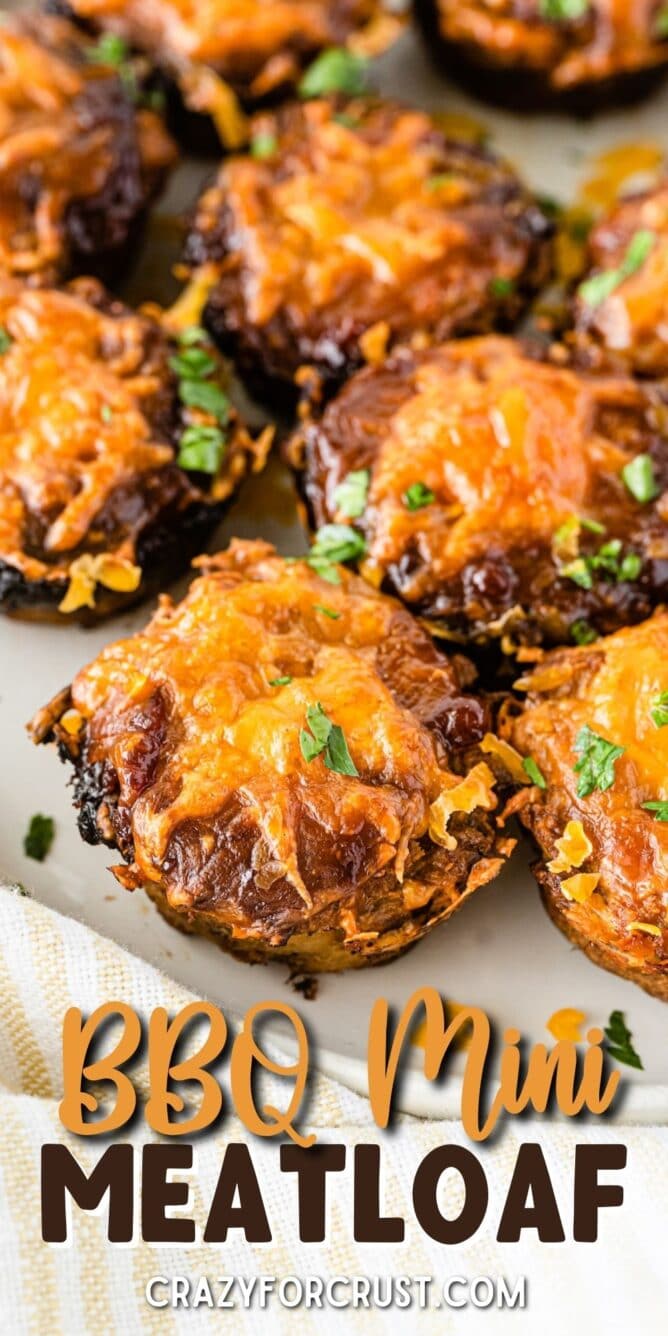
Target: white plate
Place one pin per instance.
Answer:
(501, 952)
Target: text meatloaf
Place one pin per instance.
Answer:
(595, 722)
(500, 496)
(287, 765)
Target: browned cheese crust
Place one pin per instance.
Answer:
(79, 162)
(517, 52)
(93, 507)
(607, 886)
(627, 326)
(186, 741)
(362, 225)
(259, 48)
(522, 461)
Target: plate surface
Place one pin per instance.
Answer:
(501, 952)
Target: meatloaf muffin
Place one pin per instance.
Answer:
(226, 54)
(621, 310)
(118, 447)
(288, 766)
(496, 494)
(79, 160)
(595, 730)
(575, 55)
(352, 225)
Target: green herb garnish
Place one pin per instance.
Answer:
(280, 681)
(6, 341)
(502, 287)
(417, 496)
(263, 145)
(350, 496)
(599, 287)
(327, 612)
(639, 478)
(660, 710)
(661, 22)
(39, 837)
(582, 633)
(109, 50)
(563, 11)
(201, 449)
(334, 544)
(106, 413)
(207, 396)
(660, 810)
(335, 71)
(327, 740)
(596, 766)
(608, 561)
(534, 772)
(193, 363)
(193, 334)
(439, 179)
(619, 1037)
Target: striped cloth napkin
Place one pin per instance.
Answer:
(47, 963)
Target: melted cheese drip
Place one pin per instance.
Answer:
(72, 419)
(214, 656)
(507, 445)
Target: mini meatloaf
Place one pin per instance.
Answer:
(595, 727)
(355, 225)
(223, 50)
(288, 766)
(496, 494)
(117, 449)
(622, 304)
(79, 160)
(578, 55)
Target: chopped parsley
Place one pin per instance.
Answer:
(563, 11)
(327, 612)
(661, 22)
(6, 340)
(281, 681)
(619, 1041)
(335, 71)
(106, 413)
(502, 287)
(599, 287)
(39, 837)
(207, 396)
(608, 561)
(109, 50)
(327, 740)
(193, 363)
(439, 179)
(596, 766)
(640, 480)
(582, 633)
(660, 810)
(201, 449)
(417, 496)
(350, 496)
(263, 145)
(660, 710)
(571, 528)
(334, 544)
(534, 772)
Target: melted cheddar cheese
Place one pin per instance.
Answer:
(510, 447)
(368, 218)
(240, 37)
(612, 37)
(631, 324)
(232, 725)
(79, 385)
(612, 687)
(51, 146)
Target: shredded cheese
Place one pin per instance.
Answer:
(472, 792)
(572, 849)
(581, 887)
